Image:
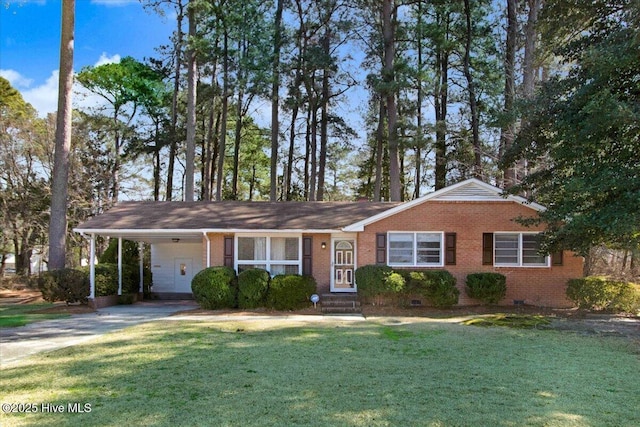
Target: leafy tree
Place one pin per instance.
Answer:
(24, 168)
(585, 125)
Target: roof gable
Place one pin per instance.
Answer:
(471, 190)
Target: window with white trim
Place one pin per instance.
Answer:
(518, 250)
(276, 254)
(415, 249)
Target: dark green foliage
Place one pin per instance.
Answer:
(601, 293)
(253, 285)
(107, 279)
(489, 288)
(215, 288)
(585, 124)
(66, 284)
(437, 286)
(374, 280)
(290, 292)
(130, 253)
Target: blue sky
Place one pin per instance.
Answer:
(105, 31)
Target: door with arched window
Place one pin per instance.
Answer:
(343, 264)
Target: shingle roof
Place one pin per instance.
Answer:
(234, 215)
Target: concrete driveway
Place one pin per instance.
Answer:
(21, 342)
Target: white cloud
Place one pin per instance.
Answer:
(104, 59)
(16, 79)
(44, 97)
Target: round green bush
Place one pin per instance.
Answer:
(489, 288)
(66, 284)
(437, 286)
(601, 293)
(290, 292)
(253, 285)
(372, 280)
(214, 288)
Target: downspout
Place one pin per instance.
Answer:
(208, 263)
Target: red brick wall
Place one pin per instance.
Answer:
(321, 261)
(469, 220)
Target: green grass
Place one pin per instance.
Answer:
(12, 315)
(519, 321)
(372, 373)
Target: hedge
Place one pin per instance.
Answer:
(377, 280)
(215, 287)
(489, 288)
(436, 286)
(66, 284)
(602, 293)
(290, 292)
(253, 285)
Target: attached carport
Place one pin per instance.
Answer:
(141, 236)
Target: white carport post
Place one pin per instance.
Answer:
(119, 265)
(140, 255)
(208, 263)
(92, 267)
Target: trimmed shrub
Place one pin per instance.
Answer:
(601, 293)
(437, 286)
(130, 253)
(66, 284)
(489, 288)
(107, 279)
(290, 291)
(215, 287)
(253, 285)
(378, 280)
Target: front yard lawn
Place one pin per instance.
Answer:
(333, 372)
(12, 315)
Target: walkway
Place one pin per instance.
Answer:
(21, 342)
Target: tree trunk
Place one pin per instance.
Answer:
(388, 32)
(225, 111)
(440, 104)
(324, 124)
(507, 132)
(173, 147)
(58, 220)
(473, 105)
(275, 101)
(156, 163)
(377, 191)
(236, 146)
(192, 72)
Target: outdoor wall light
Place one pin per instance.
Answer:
(323, 245)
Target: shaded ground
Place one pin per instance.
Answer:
(578, 321)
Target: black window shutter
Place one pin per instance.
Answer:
(450, 248)
(228, 251)
(487, 248)
(307, 246)
(381, 248)
(556, 258)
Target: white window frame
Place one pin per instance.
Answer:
(268, 262)
(520, 262)
(414, 262)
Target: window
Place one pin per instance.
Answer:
(277, 255)
(415, 249)
(518, 250)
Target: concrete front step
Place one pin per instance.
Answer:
(340, 304)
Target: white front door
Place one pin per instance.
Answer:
(343, 265)
(182, 274)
